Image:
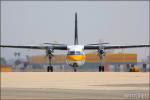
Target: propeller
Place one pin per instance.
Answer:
(54, 43)
(101, 51)
(49, 51)
(98, 44)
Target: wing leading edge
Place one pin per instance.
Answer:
(55, 47)
(88, 47)
(64, 47)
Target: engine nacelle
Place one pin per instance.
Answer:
(101, 51)
(49, 51)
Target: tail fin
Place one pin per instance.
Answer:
(76, 31)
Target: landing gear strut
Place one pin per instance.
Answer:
(75, 67)
(101, 56)
(50, 67)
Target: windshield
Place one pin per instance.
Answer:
(75, 53)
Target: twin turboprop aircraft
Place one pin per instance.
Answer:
(75, 56)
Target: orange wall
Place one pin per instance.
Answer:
(5, 69)
(92, 58)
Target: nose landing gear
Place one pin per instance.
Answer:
(75, 67)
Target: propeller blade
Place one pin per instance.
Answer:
(98, 43)
(54, 43)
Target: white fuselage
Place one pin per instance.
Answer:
(75, 56)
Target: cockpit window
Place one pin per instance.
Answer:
(78, 53)
(71, 53)
(75, 53)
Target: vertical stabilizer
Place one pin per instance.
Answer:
(76, 31)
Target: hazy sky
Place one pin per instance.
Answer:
(36, 22)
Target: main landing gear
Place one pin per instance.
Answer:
(101, 68)
(101, 55)
(50, 67)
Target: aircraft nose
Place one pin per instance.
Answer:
(76, 57)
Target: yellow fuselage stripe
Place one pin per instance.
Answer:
(76, 57)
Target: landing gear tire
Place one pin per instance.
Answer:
(75, 70)
(101, 68)
(50, 69)
(132, 69)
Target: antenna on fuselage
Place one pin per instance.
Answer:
(76, 31)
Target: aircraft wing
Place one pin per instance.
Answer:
(88, 47)
(55, 47)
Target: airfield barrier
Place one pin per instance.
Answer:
(5, 69)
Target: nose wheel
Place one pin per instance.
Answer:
(75, 67)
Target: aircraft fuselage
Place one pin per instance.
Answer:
(75, 56)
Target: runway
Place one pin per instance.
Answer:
(74, 85)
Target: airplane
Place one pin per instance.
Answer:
(75, 53)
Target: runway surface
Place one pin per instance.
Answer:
(74, 85)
